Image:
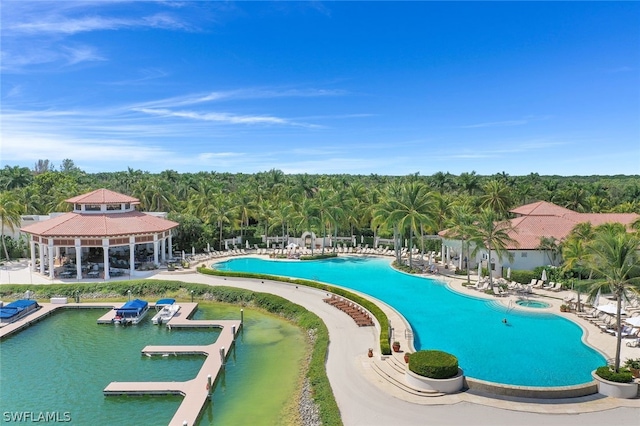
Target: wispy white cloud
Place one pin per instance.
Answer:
(36, 33)
(55, 24)
(222, 117)
(238, 94)
(145, 75)
(76, 54)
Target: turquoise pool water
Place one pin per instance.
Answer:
(532, 304)
(532, 349)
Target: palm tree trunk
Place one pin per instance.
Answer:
(618, 334)
(4, 245)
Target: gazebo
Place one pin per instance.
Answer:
(105, 221)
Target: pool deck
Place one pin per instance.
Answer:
(359, 386)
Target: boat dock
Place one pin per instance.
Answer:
(45, 310)
(196, 392)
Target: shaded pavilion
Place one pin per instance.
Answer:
(101, 220)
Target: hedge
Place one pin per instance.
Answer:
(624, 376)
(317, 375)
(385, 346)
(319, 256)
(523, 276)
(433, 364)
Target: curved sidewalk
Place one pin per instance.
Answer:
(365, 398)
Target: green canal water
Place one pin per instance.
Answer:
(63, 363)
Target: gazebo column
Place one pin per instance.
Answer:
(105, 251)
(51, 265)
(132, 256)
(32, 245)
(41, 250)
(78, 247)
(155, 251)
(170, 246)
(448, 255)
(442, 254)
(164, 250)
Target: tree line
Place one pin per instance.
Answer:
(212, 206)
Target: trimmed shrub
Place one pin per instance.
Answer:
(319, 256)
(522, 276)
(624, 376)
(434, 364)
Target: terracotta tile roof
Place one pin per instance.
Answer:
(102, 196)
(541, 208)
(527, 230)
(99, 225)
(544, 219)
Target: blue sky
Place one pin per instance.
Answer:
(323, 87)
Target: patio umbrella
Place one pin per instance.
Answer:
(509, 273)
(633, 321)
(596, 300)
(609, 308)
(247, 244)
(182, 254)
(544, 275)
(479, 272)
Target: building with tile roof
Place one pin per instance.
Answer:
(533, 222)
(104, 235)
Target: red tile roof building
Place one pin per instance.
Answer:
(534, 221)
(100, 219)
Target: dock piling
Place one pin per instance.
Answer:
(241, 316)
(233, 332)
(209, 384)
(222, 355)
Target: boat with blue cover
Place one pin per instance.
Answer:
(131, 312)
(166, 308)
(18, 309)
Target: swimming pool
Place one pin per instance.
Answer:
(532, 304)
(532, 349)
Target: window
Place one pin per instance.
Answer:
(113, 207)
(523, 254)
(92, 207)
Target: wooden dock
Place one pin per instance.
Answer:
(196, 392)
(45, 310)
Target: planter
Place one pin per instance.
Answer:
(635, 372)
(370, 353)
(614, 389)
(406, 357)
(452, 385)
(396, 347)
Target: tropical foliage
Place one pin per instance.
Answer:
(212, 207)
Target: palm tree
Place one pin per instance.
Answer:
(550, 247)
(614, 255)
(10, 211)
(412, 210)
(492, 234)
(306, 215)
(461, 226)
(15, 177)
(497, 196)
